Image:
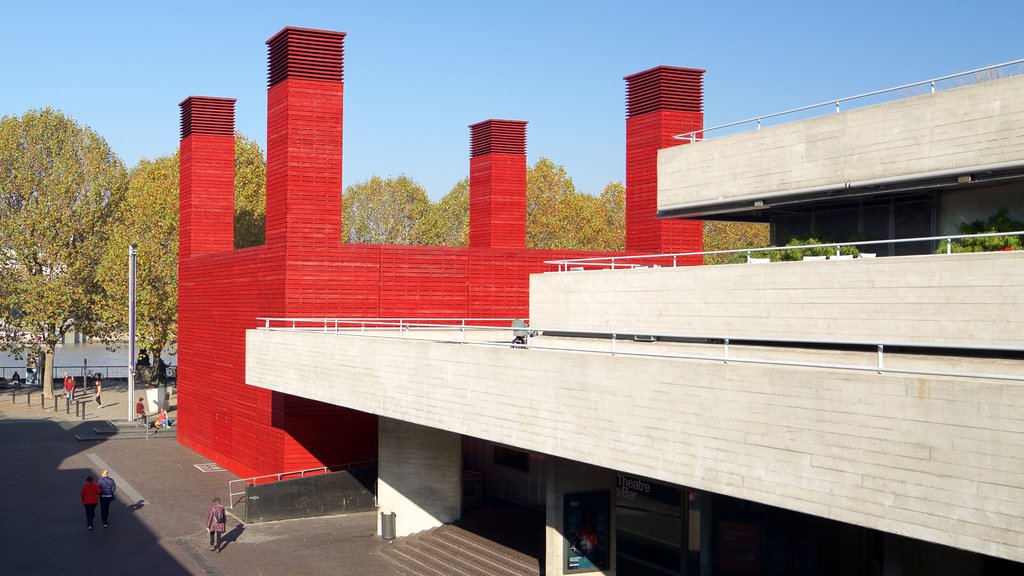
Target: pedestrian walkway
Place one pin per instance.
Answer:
(157, 523)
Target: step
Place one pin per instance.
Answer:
(418, 563)
(515, 558)
(450, 551)
(467, 560)
(482, 562)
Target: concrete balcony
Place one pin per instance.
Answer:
(939, 458)
(969, 299)
(952, 134)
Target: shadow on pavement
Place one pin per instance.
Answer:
(44, 529)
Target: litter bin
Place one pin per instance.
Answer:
(387, 525)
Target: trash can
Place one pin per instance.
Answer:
(387, 525)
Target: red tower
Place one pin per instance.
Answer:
(497, 184)
(207, 169)
(304, 133)
(660, 103)
(304, 270)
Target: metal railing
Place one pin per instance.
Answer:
(268, 478)
(697, 135)
(672, 260)
(402, 325)
(387, 329)
(105, 372)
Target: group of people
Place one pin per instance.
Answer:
(102, 493)
(162, 421)
(69, 390)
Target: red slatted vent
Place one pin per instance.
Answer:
(497, 136)
(665, 88)
(207, 115)
(306, 53)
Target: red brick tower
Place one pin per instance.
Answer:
(497, 184)
(304, 132)
(206, 175)
(660, 103)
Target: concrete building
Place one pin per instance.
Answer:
(838, 416)
(848, 416)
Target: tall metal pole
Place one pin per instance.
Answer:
(131, 332)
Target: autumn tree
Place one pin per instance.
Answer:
(383, 211)
(560, 218)
(60, 190)
(446, 223)
(149, 219)
(250, 193)
(732, 236)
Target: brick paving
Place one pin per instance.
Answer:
(42, 524)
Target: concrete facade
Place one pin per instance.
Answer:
(938, 299)
(963, 128)
(935, 458)
(420, 475)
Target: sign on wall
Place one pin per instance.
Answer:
(587, 530)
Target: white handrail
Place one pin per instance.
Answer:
(727, 355)
(616, 262)
(692, 136)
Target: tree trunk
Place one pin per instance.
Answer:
(46, 363)
(157, 351)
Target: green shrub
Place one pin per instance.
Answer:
(998, 222)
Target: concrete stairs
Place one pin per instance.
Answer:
(452, 551)
(110, 430)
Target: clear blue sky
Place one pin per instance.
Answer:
(418, 73)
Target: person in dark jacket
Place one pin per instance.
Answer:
(90, 497)
(107, 490)
(215, 521)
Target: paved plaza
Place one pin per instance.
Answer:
(157, 524)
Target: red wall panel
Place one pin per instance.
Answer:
(305, 271)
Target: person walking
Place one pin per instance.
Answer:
(140, 409)
(90, 497)
(215, 522)
(69, 389)
(107, 490)
(99, 390)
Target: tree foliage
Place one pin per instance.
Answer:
(447, 221)
(383, 211)
(732, 236)
(60, 189)
(250, 193)
(149, 219)
(1001, 221)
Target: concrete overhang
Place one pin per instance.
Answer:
(928, 457)
(964, 137)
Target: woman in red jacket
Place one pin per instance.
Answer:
(90, 498)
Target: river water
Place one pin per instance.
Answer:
(78, 358)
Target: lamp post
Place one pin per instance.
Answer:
(131, 331)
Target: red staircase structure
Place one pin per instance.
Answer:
(304, 270)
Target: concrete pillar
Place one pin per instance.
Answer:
(419, 476)
(497, 184)
(304, 138)
(206, 198)
(660, 103)
(592, 484)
